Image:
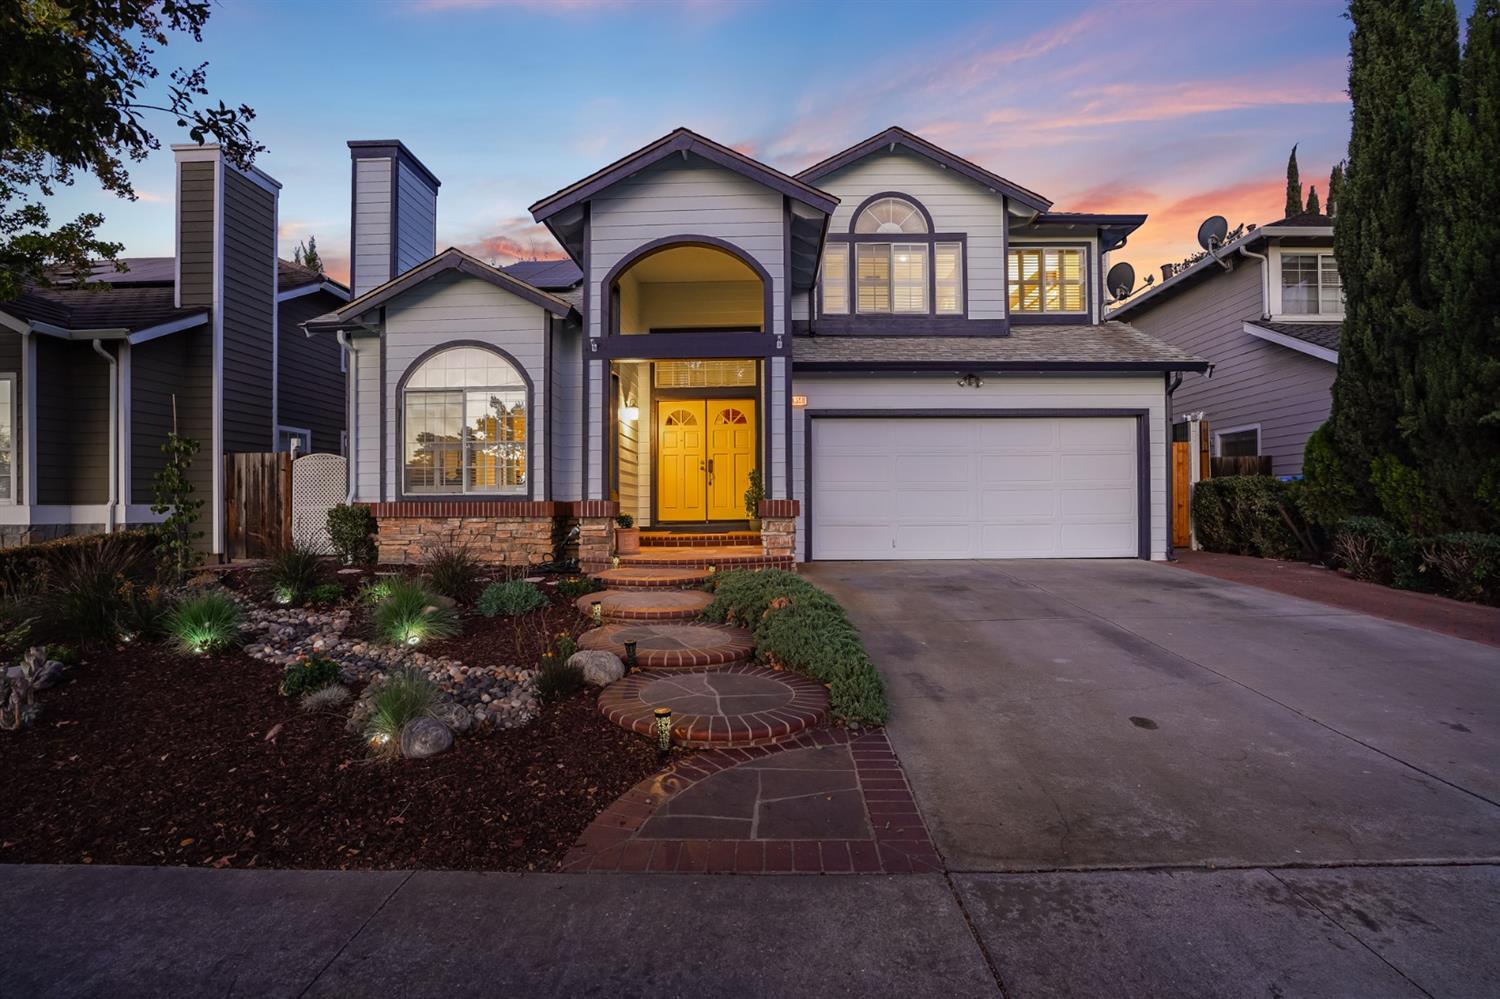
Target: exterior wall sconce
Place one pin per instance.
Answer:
(663, 730)
(629, 411)
(971, 380)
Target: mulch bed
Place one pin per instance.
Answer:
(147, 757)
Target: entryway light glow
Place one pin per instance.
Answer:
(799, 402)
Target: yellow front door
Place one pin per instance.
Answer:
(704, 452)
(682, 461)
(731, 456)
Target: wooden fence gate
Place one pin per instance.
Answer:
(257, 503)
(1182, 482)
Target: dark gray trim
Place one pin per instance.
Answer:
(385, 408)
(859, 209)
(840, 322)
(607, 317)
(361, 149)
(550, 331)
(979, 365)
(769, 469)
(353, 217)
(1142, 419)
(400, 406)
(1095, 295)
(585, 342)
(1169, 384)
(1114, 229)
(347, 316)
(896, 136)
(656, 401)
(682, 140)
(905, 324)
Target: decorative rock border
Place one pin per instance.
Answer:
(900, 843)
(729, 706)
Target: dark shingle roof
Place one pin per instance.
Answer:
(1109, 344)
(124, 307)
(548, 275)
(1325, 335)
(290, 275)
(1305, 220)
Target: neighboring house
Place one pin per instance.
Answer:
(910, 348)
(91, 379)
(1267, 312)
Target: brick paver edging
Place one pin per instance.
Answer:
(901, 844)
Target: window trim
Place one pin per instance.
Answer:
(282, 428)
(1219, 437)
(1279, 285)
(1018, 316)
(15, 480)
(857, 320)
(396, 446)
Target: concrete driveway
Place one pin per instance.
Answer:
(1065, 714)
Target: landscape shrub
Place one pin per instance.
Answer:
(376, 589)
(451, 571)
(410, 614)
(1327, 497)
(88, 586)
(292, 573)
(143, 612)
(510, 599)
(1463, 565)
(205, 623)
(307, 674)
(574, 587)
(798, 626)
(557, 680)
(325, 593)
(351, 532)
(1467, 564)
(400, 697)
(1247, 515)
(27, 569)
(325, 698)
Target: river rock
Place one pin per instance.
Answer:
(599, 667)
(424, 737)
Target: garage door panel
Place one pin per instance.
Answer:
(973, 487)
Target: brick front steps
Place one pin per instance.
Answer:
(667, 539)
(637, 577)
(656, 604)
(672, 646)
(720, 557)
(825, 802)
(732, 706)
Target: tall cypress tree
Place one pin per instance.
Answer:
(1312, 201)
(1456, 425)
(1335, 186)
(1293, 186)
(1403, 57)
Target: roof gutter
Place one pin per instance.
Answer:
(1018, 367)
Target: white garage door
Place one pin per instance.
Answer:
(988, 487)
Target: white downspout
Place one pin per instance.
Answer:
(1265, 280)
(114, 434)
(352, 458)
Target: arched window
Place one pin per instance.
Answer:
(893, 215)
(465, 423)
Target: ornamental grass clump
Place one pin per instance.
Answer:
(556, 678)
(205, 624)
(88, 590)
(403, 696)
(411, 614)
(452, 572)
(800, 627)
(292, 574)
(510, 599)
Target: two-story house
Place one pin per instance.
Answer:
(909, 348)
(92, 379)
(1266, 309)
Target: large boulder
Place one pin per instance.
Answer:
(599, 668)
(424, 737)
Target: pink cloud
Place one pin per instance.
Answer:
(515, 239)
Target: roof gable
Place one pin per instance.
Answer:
(897, 136)
(683, 141)
(451, 259)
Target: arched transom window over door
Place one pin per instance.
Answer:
(465, 424)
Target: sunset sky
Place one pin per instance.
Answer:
(1178, 110)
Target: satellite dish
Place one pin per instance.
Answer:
(1120, 280)
(1212, 232)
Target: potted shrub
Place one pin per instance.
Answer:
(627, 535)
(753, 496)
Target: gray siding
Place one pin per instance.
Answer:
(13, 362)
(365, 443)
(248, 307)
(1254, 382)
(416, 219)
(310, 389)
(956, 204)
(371, 235)
(177, 367)
(456, 307)
(195, 212)
(72, 417)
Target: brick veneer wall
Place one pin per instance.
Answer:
(778, 526)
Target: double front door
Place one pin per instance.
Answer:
(705, 449)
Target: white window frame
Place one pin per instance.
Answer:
(1085, 272)
(15, 480)
(282, 428)
(957, 248)
(465, 441)
(836, 305)
(1220, 434)
(1276, 307)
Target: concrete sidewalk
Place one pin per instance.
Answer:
(164, 932)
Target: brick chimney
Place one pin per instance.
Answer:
(393, 227)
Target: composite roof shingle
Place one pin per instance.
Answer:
(1105, 344)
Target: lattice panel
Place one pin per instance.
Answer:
(320, 482)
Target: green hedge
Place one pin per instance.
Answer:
(26, 569)
(799, 626)
(1463, 565)
(1247, 515)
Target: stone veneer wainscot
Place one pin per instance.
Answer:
(496, 532)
